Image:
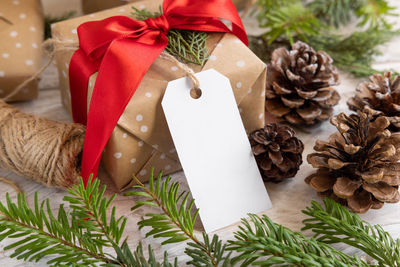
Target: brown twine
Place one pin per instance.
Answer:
(189, 71)
(46, 151)
(6, 20)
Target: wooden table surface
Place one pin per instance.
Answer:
(288, 198)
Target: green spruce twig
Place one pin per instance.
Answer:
(262, 242)
(187, 46)
(75, 238)
(78, 237)
(334, 224)
(176, 223)
(287, 21)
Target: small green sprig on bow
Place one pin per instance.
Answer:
(316, 23)
(187, 46)
(81, 235)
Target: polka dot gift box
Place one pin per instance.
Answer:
(141, 140)
(21, 33)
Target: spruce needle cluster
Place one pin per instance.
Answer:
(185, 45)
(318, 22)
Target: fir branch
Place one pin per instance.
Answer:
(45, 235)
(71, 239)
(289, 20)
(335, 224)
(262, 242)
(354, 53)
(374, 13)
(335, 12)
(176, 224)
(126, 258)
(90, 208)
(187, 46)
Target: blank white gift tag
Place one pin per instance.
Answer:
(214, 150)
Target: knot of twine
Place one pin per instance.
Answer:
(49, 152)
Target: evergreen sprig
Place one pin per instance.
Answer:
(72, 238)
(333, 224)
(89, 207)
(79, 236)
(287, 21)
(262, 242)
(177, 220)
(187, 46)
(335, 12)
(42, 234)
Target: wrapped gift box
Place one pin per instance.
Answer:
(21, 31)
(141, 139)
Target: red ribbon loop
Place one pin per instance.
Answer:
(160, 23)
(122, 50)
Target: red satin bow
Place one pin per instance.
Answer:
(122, 50)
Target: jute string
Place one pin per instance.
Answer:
(46, 151)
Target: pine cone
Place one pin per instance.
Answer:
(278, 152)
(299, 85)
(358, 166)
(381, 97)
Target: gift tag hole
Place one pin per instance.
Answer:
(195, 93)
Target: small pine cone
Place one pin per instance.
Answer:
(358, 166)
(299, 85)
(278, 152)
(381, 97)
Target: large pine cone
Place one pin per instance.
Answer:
(278, 152)
(299, 85)
(381, 97)
(358, 166)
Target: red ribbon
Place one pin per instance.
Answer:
(122, 50)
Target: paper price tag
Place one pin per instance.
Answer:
(214, 150)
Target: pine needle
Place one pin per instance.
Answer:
(187, 46)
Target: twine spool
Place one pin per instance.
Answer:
(46, 151)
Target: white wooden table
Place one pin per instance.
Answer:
(288, 198)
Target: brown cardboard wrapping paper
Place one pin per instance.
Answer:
(141, 140)
(21, 32)
(91, 6)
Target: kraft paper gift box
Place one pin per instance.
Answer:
(91, 6)
(21, 32)
(142, 140)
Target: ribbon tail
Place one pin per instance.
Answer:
(80, 70)
(122, 70)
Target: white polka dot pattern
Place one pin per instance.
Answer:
(241, 63)
(19, 53)
(144, 128)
